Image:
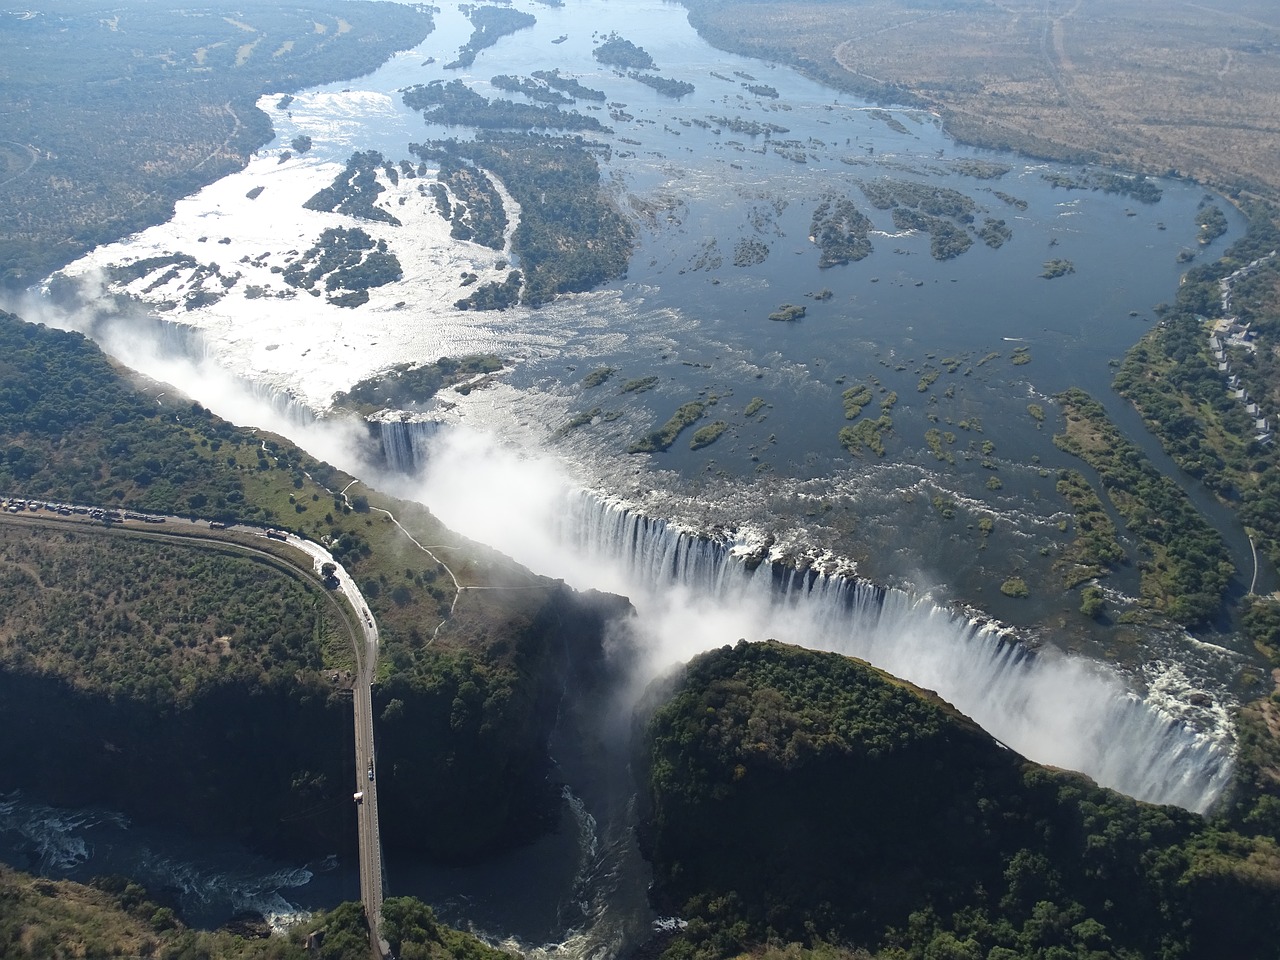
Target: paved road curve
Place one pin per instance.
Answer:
(366, 786)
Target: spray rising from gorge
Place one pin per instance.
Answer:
(695, 594)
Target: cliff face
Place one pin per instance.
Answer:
(463, 756)
(461, 753)
(264, 765)
(810, 797)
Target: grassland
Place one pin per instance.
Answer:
(1150, 86)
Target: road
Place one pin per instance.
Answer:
(366, 783)
(186, 530)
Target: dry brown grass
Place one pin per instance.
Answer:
(1149, 84)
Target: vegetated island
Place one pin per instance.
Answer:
(747, 746)
(941, 212)
(789, 312)
(662, 438)
(619, 52)
(571, 235)
(455, 104)
(490, 24)
(558, 81)
(1188, 568)
(675, 89)
(1057, 268)
(841, 232)
(705, 436)
(409, 386)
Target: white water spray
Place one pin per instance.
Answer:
(694, 594)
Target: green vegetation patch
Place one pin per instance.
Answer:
(1015, 587)
(854, 399)
(558, 81)
(946, 239)
(494, 295)
(348, 261)
(888, 119)
(571, 237)
(754, 406)
(1096, 550)
(77, 604)
(619, 52)
(639, 385)
(533, 89)
(1138, 186)
(994, 233)
(490, 25)
(476, 213)
(1057, 268)
(935, 439)
(932, 200)
(597, 377)
(356, 189)
(662, 438)
(705, 436)
(1016, 202)
(980, 169)
(1212, 223)
(675, 89)
(787, 312)
(577, 420)
(1187, 568)
(453, 103)
(408, 385)
(866, 433)
(1092, 602)
(1040, 863)
(841, 232)
(750, 252)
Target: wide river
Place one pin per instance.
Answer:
(722, 184)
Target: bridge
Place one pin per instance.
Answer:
(365, 642)
(366, 782)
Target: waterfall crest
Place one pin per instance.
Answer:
(1055, 709)
(406, 442)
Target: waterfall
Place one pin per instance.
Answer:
(405, 441)
(1056, 709)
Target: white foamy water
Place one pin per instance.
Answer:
(210, 882)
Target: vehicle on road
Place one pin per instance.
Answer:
(358, 796)
(370, 769)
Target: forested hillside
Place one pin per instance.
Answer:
(807, 797)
